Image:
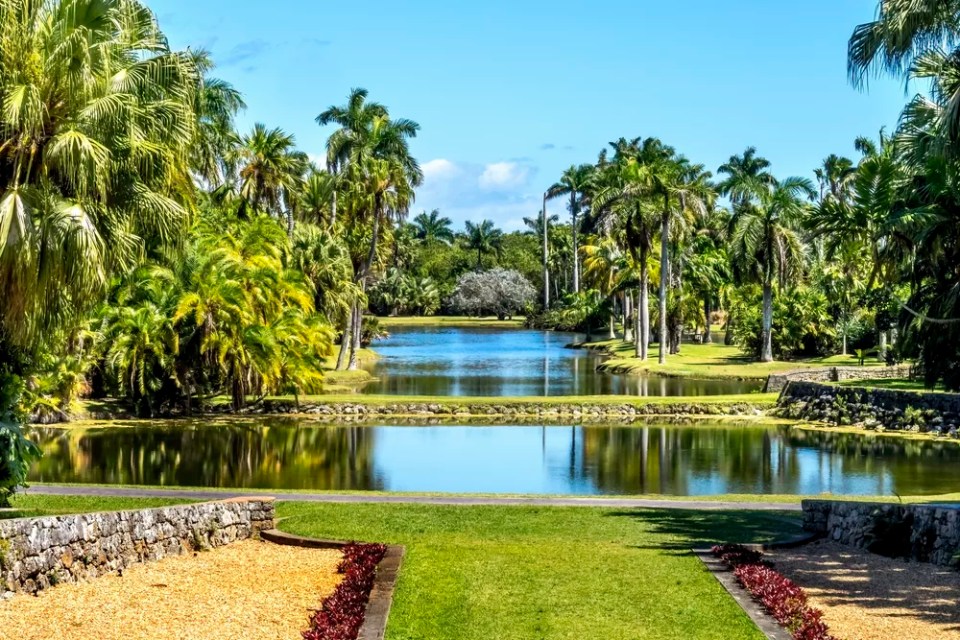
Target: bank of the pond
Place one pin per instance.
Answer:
(712, 361)
(580, 407)
(936, 414)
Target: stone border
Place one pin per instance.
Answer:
(381, 596)
(724, 575)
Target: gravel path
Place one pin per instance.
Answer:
(244, 591)
(545, 501)
(869, 597)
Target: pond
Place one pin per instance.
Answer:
(655, 458)
(448, 361)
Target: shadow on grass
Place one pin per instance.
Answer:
(689, 529)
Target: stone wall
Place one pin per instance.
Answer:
(36, 553)
(922, 532)
(506, 409)
(871, 407)
(777, 381)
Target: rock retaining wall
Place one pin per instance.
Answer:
(580, 411)
(926, 533)
(777, 381)
(36, 553)
(870, 407)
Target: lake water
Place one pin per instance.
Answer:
(682, 460)
(450, 361)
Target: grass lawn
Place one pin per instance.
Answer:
(475, 573)
(901, 384)
(450, 321)
(715, 361)
(30, 505)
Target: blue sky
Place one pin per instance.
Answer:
(509, 93)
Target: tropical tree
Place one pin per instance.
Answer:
(484, 238)
(432, 227)
(766, 245)
(271, 171)
(379, 174)
(573, 183)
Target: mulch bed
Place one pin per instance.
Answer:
(868, 597)
(249, 590)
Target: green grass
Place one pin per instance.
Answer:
(473, 573)
(449, 321)
(711, 361)
(901, 384)
(30, 505)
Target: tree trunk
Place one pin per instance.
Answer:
(637, 335)
(664, 275)
(844, 352)
(345, 341)
(289, 215)
(644, 310)
(576, 253)
(611, 330)
(546, 255)
(355, 347)
(627, 312)
(882, 351)
(766, 332)
(707, 312)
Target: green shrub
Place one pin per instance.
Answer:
(16, 452)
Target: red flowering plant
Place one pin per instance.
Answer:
(781, 597)
(341, 613)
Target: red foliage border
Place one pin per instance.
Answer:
(341, 614)
(781, 597)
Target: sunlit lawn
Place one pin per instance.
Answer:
(714, 360)
(476, 573)
(902, 384)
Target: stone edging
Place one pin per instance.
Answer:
(381, 597)
(724, 575)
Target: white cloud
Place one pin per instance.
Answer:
(439, 169)
(504, 175)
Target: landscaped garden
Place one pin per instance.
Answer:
(529, 402)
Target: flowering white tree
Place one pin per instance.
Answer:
(502, 292)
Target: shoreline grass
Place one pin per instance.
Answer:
(712, 361)
(598, 400)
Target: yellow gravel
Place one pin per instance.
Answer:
(249, 590)
(869, 597)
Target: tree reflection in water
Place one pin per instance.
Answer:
(273, 453)
(654, 458)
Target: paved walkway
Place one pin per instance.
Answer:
(354, 498)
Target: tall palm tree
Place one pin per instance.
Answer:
(271, 172)
(573, 183)
(98, 119)
(835, 177)
(372, 152)
(484, 238)
(766, 245)
(216, 142)
(432, 227)
(746, 175)
(313, 200)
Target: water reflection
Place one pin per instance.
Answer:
(494, 362)
(696, 459)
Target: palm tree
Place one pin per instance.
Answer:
(573, 183)
(746, 175)
(94, 100)
(432, 227)
(535, 225)
(271, 171)
(217, 103)
(372, 152)
(484, 238)
(766, 245)
(834, 177)
(313, 200)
